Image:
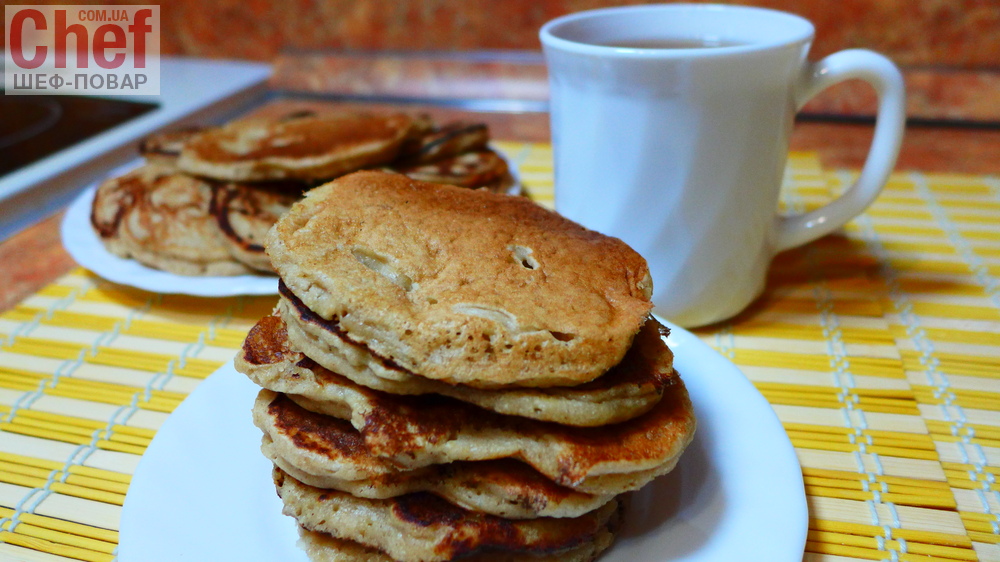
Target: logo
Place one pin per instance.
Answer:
(100, 50)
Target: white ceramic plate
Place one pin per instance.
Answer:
(86, 248)
(203, 490)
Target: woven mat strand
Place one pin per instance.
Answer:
(878, 347)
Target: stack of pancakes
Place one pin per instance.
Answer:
(454, 373)
(205, 198)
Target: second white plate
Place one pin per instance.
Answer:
(86, 248)
(203, 490)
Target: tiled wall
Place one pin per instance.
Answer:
(963, 33)
(949, 49)
(954, 33)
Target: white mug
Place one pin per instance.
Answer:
(670, 128)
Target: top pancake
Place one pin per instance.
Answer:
(303, 146)
(464, 286)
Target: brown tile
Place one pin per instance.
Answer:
(958, 33)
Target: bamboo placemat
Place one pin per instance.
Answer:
(879, 348)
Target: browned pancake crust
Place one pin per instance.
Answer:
(323, 547)
(165, 147)
(424, 527)
(464, 286)
(650, 365)
(325, 436)
(628, 390)
(332, 454)
(470, 169)
(115, 197)
(311, 134)
(441, 142)
(416, 431)
(304, 146)
(163, 219)
(245, 212)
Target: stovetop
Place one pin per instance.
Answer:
(33, 127)
(52, 147)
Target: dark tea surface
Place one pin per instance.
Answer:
(671, 43)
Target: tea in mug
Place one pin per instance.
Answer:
(672, 43)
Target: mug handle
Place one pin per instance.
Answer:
(890, 121)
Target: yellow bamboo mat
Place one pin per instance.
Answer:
(879, 348)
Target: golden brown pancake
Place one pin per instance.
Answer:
(327, 452)
(163, 219)
(245, 212)
(424, 528)
(469, 169)
(419, 431)
(455, 154)
(436, 143)
(165, 147)
(322, 547)
(272, 361)
(301, 145)
(462, 286)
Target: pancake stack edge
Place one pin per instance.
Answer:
(453, 374)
